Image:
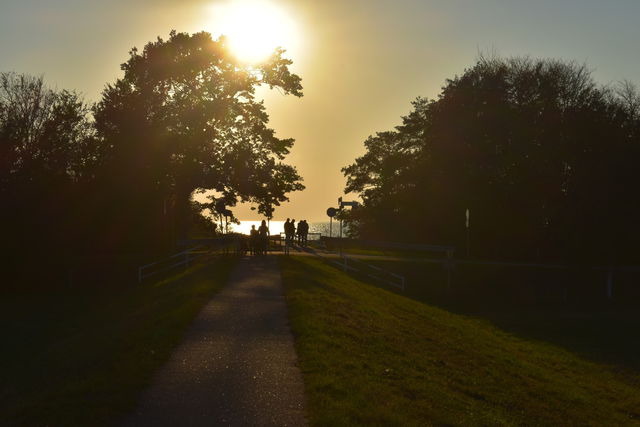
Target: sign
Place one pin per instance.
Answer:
(331, 212)
(352, 204)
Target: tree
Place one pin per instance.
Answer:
(185, 117)
(44, 134)
(536, 150)
(47, 155)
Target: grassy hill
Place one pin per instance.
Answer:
(370, 356)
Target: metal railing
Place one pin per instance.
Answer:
(183, 258)
(311, 237)
(354, 265)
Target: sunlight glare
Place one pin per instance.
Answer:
(254, 28)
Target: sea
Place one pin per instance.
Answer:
(277, 227)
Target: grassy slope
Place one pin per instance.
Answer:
(82, 359)
(567, 308)
(373, 357)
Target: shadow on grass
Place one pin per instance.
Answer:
(80, 357)
(565, 308)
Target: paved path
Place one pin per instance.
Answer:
(236, 365)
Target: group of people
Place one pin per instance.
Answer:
(259, 239)
(298, 234)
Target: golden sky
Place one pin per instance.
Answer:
(361, 62)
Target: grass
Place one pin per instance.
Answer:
(565, 307)
(367, 250)
(372, 357)
(82, 357)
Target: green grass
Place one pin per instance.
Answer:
(82, 358)
(565, 307)
(372, 357)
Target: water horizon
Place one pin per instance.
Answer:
(277, 227)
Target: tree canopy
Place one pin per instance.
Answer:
(117, 177)
(541, 155)
(185, 117)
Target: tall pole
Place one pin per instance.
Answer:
(340, 236)
(340, 208)
(468, 243)
(468, 215)
(330, 226)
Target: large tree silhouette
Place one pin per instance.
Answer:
(542, 156)
(185, 117)
(48, 154)
(102, 191)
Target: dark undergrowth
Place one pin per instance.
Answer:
(81, 357)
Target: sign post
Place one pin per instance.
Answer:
(467, 224)
(331, 212)
(342, 205)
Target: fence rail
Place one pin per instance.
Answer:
(180, 259)
(315, 237)
(350, 264)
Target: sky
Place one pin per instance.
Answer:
(362, 62)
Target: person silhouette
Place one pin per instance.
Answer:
(300, 231)
(287, 231)
(263, 234)
(305, 232)
(253, 240)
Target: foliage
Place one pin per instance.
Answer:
(48, 154)
(538, 153)
(45, 134)
(185, 117)
(117, 178)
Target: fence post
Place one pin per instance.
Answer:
(449, 266)
(610, 284)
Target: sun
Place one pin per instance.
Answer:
(254, 28)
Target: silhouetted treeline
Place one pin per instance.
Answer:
(545, 159)
(115, 179)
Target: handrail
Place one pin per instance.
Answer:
(187, 259)
(346, 267)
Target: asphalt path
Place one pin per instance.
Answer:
(236, 365)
